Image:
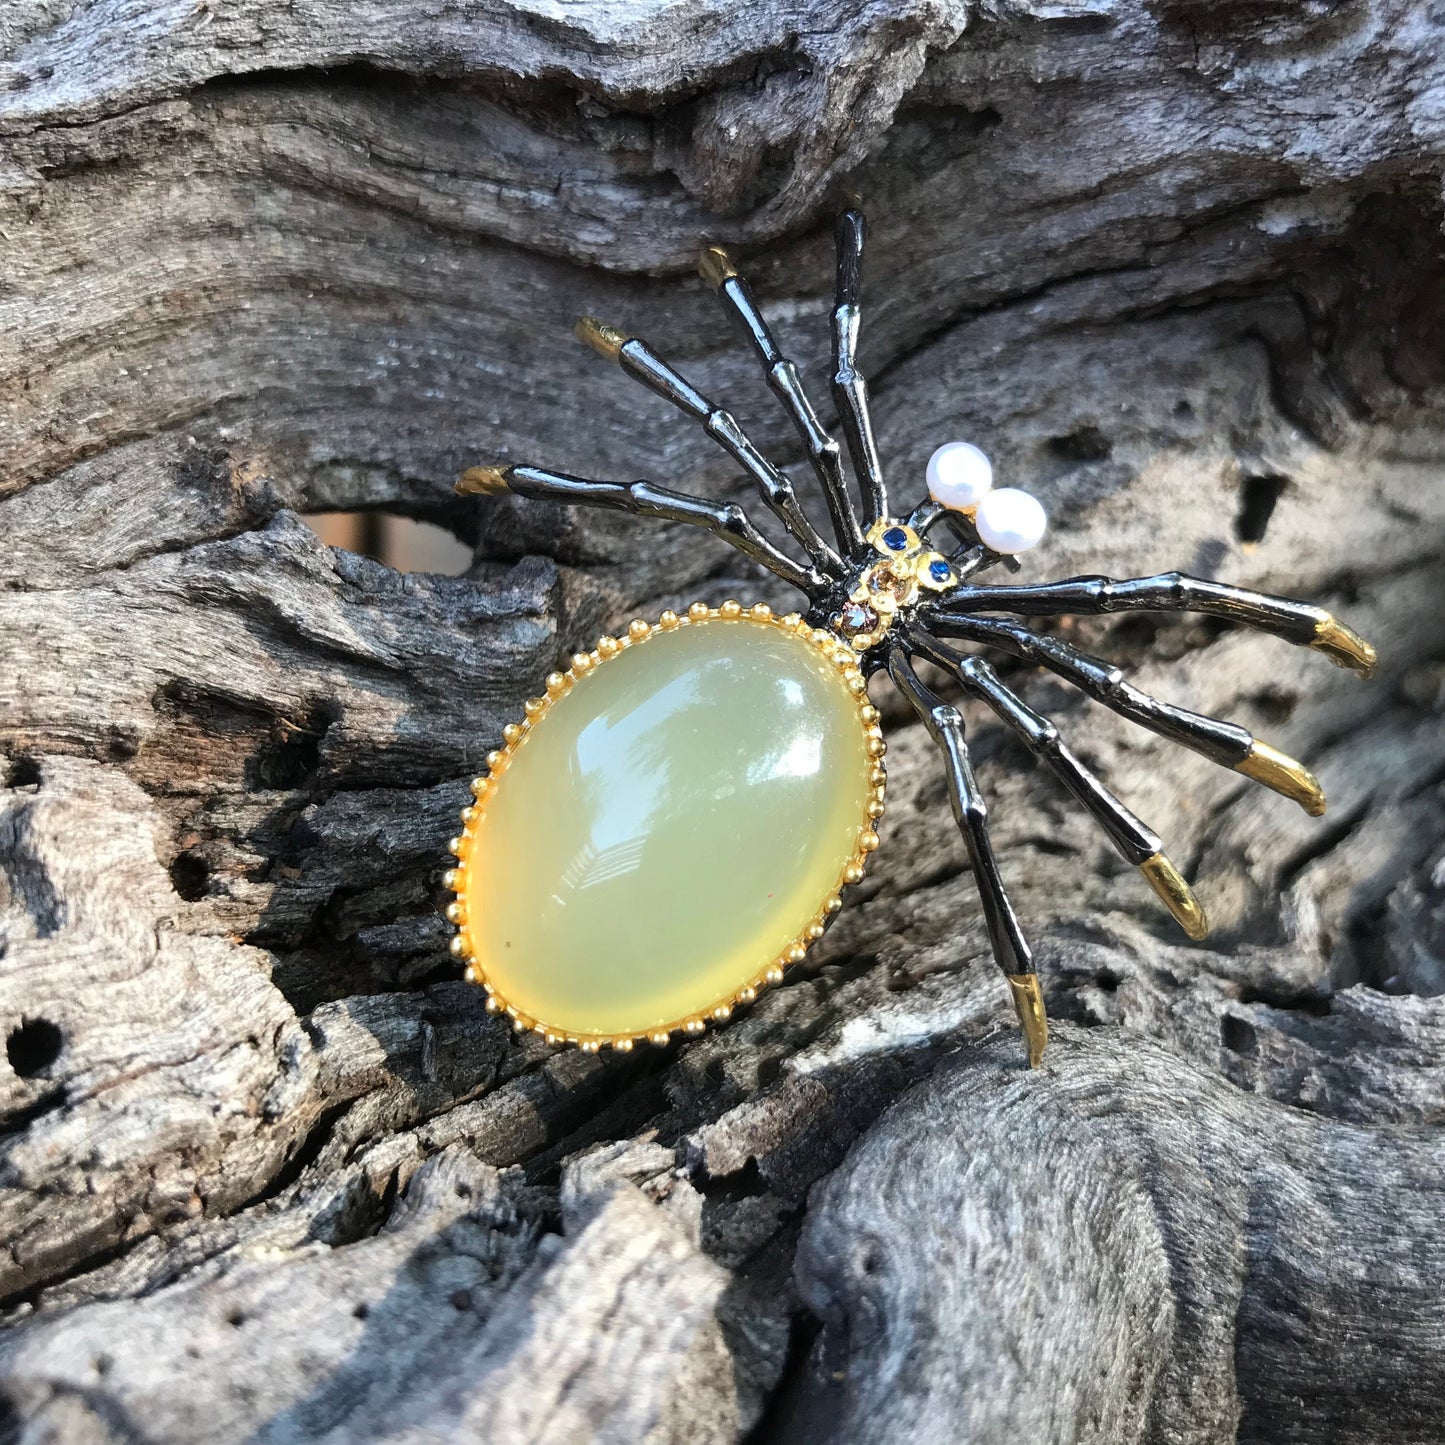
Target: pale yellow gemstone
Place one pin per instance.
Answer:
(668, 829)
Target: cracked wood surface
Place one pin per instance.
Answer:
(269, 1172)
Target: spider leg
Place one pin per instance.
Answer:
(725, 520)
(969, 556)
(1010, 949)
(850, 388)
(929, 514)
(1136, 843)
(1221, 742)
(717, 267)
(643, 364)
(1296, 622)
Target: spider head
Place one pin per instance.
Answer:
(893, 575)
(899, 571)
(904, 564)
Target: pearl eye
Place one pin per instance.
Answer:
(1010, 521)
(959, 476)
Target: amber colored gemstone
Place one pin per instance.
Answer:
(855, 618)
(669, 829)
(892, 589)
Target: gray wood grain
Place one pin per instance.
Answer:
(267, 1170)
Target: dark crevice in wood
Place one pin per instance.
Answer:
(1258, 497)
(303, 1155)
(33, 1046)
(24, 772)
(778, 1425)
(1311, 1004)
(1084, 444)
(16, 1121)
(190, 876)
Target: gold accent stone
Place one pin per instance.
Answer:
(671, 827)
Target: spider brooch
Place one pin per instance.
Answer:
(675, 818)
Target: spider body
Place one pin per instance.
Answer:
(883, 593)
(673, 826)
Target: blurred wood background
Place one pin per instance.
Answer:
(268, 1172)
(403, 543)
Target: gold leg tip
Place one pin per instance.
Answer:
(1029, 1005)
(1176, 895)
(607, 341)
(1344, 646)
(1285, 776)
(715, 265)
(482, 482)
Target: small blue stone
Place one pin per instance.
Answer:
(895, 539)
(940, 571)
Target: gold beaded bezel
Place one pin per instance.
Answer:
(558, 685)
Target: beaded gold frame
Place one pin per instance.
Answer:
(558, 685)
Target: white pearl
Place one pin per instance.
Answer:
(1009, 520)
(959, 476)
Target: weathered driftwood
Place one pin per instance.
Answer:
(269, 1172)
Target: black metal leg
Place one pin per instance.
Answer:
(1010, 949)
(1137, 843)
(929, 514)
(850, 388)
(716, 266)
(969, 556)
(1221, 742)
(725, 520)
(643, 364)
(1296, 622)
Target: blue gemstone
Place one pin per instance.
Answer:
(940, 571)
(895, 539)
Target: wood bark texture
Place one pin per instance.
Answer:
(268, 1171)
